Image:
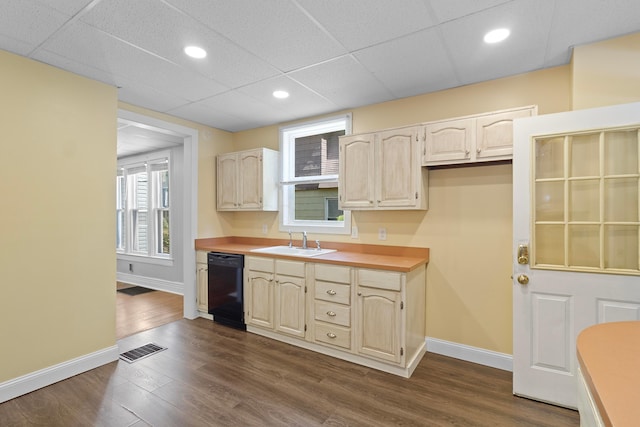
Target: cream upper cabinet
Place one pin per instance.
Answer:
(382, 170)
(356, 172)
(247, 180)
(478, 138)
(448, 141)
(202, 281)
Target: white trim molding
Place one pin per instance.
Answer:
(470, 354)
(47, 376)
(151, 283)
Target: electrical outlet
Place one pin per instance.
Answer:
(354, 232)
(131, 268)
(264, 229)
(382, 233)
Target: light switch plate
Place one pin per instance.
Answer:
(264, 229)
(354, 232)
(382, 233)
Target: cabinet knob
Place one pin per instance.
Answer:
(359, 294)
(331, 335)
(331, 313)
(331, 292)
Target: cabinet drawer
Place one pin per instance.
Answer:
(259, 264)
(333, 313)
(334, 292)
(333, 273)
(290, 268)
(332, 334)
(380, 279)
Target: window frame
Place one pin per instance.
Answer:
(153, 209)
(288, 180)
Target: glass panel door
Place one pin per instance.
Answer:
(586, 198)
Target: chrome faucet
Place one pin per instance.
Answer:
(304, 240)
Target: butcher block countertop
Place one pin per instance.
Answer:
(394, 258)
(609, 357)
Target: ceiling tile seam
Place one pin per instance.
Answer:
(447, 51)
(231, 41)
(548, 35)
(72, 20)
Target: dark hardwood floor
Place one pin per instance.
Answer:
(212, 375)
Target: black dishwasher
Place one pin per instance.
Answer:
(225, 289)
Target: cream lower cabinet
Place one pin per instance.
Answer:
(371, 317)
(274, 295)
(202, 282)
(382, 171)
(331, 306)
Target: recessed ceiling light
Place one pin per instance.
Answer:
(495, 36)
(281, 94)
(195, 52)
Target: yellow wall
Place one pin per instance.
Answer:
(57, 263)
(211, 142)
(607, 73)
(468, 225)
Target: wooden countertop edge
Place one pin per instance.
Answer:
(607, 354)
(394, 258)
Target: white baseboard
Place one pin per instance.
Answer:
(471, 354)
(152, 283)
(47, 376)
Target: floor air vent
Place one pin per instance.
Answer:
(141, 352)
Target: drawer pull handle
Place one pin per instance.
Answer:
(331, 313)
(331, 292)
(331, 335)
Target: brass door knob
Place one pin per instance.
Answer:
(523, 279)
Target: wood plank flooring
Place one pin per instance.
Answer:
(212, 375)
(136, 313)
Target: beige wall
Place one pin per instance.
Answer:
(57, 263)
(468, 225)
(607, 73)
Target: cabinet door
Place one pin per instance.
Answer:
(494, 135)
(356, 179)
(378, 323)
(227, 188)
(202, 280)
(259, 299)
(290, 305)
(448, 141)
(397, 168)
(250, 179)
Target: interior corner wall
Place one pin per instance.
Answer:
(57, 262)
(606, 73)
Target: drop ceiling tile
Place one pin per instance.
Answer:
(302, 102)
(28, 23)
(239, 104)
(277, 31)
(574, 24)
(523, 51)
(68, 7)
(216, 118)
(75, 67)
(150, 97)
(97, 49)
(362, 23)
(343, 81)
(414, 64)
(447, 10)
(165, 31)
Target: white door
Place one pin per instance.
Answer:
(576, 208)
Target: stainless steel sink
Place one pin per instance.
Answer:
(293, 251)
